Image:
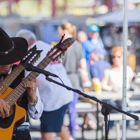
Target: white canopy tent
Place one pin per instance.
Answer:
(117, 16)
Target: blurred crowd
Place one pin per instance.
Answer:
(95, 63)
(89, 64)
(104, 74)
(104, 64)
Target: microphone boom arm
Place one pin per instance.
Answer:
(106, 108)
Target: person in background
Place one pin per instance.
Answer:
(29, 43)
(90, 42)
(86, 45)
(112, 79)
(73, 60)
(54, 97)
(97, 65)
(12, 50)
(94, 36)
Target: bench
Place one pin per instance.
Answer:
(118, 118)
(90, 108)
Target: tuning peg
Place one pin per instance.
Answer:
(67, 42)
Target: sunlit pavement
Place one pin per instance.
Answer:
(88, 135)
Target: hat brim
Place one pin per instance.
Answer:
(20, 50)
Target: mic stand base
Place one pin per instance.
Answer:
(106, 109)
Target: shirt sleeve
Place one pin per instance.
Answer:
(35, 111)
(105, 81)
(81, 52)
(130, 73)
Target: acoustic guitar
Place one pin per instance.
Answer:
(16, 112)
(31, 57)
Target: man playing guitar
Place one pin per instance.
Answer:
(12, 50)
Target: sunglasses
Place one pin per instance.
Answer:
(116, 56)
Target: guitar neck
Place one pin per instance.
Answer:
(20, 89)
(10, 78)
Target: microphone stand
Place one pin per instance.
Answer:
(106, 108)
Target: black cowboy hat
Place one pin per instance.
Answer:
(11, 49)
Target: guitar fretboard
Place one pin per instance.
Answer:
(20, 89)
(10, 78)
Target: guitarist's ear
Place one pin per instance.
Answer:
(30, 43)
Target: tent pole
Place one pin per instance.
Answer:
(125, 37)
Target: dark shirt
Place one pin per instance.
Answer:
(71, 61)
(72, 57)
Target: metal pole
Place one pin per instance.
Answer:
(125, 36)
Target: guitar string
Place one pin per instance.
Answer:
(7, 81)
(18, 91)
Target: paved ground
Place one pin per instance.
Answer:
(90, 135)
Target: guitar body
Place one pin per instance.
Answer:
(7, 124)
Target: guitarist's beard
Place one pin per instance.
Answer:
(4, 69)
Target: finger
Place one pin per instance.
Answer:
(31, 86)
(26, 84)
(7, 105)
(2, 113)
(34, 80)
(32, 91)
(6, 111)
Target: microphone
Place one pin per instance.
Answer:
(30, 67)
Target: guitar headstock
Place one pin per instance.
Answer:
(58, 50)
(31, 57)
